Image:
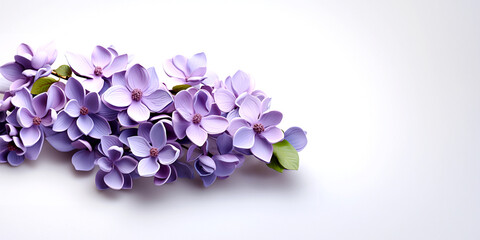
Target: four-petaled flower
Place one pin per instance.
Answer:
(154, 150)
(137, 92)
(187, 71)
(80, 116)
(102, 64)
(256, 130)
(194, 117)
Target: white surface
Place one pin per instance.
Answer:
(387, 90)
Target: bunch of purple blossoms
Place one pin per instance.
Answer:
(123, 120)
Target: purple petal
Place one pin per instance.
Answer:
(297, 137)
(15, 160)
(180, 125)
(148, 166)
(118, 96)
(168, 154)
(205, 166)
(114, 153)
(224, 143)
(250, 109)
(126, 164)
(128, 182)
(158, 135)
(85, 124)
(99, 182)
(126, 133)
(225, 164)
(236, 124)
(23, 98)
(83, 160)
(271, 118)
(154, 81)
(80, 64)
(196, 134)
(12, 71)
(73, 132)
(24, 117)
(74, 90)
(94, 85)
(125, 120)
(214, 124)
(144, 130)
(171, 70)
(92, 102)
(119, 79)
(193, 153)
(197, 65)
(184, 104)
(63, 122)
(60, 142)
(72, 108)
(118, 64)
(39, 104)
(137, 78)
(139, 146)
(138, 111)
(25, 61)
(183, 170)
(101, 57)
(240, 82)
(202, 103)
(114, 179)
(49, 118)
(273, 134)
(82, 144)
(33, 152)
(39, 60)
(180, 63)
(107, 142)
(102, 127)
(105, 164)
(24, 50)
(30, 135)
(19, 84)
(162, 175)
(209, 180)
(262, 149)
(244, 138)
(56, 98)
(225, 100)
(158, 100)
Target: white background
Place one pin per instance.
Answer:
(387, 90)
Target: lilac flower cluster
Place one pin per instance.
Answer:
(126, 121)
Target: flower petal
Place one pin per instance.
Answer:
(56, 98)
(114, 153)
(30, 135)
(106, 142)
(15, 160)
(202, 103)
(158, 135)
(154, 82)
(12, 71)
(137, 77)
(273, 134)
(94, 85)
(240, 82)
(262, 149)
(114, 179)
(224, 99)
(39, 104)
(23, 98)
(196, 134)
(72, 108)
(33, 152)
(271, 118)
(139, 146)
(92, 102)
(158, 100)
(197, 65)
(101, 57)
(171, 70)
(184, 104)
(180, 125)
(126, 164)
(105, 164)
(24, 117)
(49, 118)
(39, 59)
(74, 90)
(180, 63)
(168, 154)
(148, 166)
(102, 127)
(80, 64)
(244, 138)
(60, 142)
(120, 79)
(214, 124)
(118, 64)
(83, 160)
(118, 96)
(297, 137)
(85, 124)
(63, 122)
(73, 132)
(250, 109)
(138, 111)
(224, 143)
(99, 182)
(236, 124)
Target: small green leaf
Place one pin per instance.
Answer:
(64, 71)
(275, 165)
(286, 154)
(42, 85)
(179, 88)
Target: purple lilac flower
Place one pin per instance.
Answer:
(115, 168)
(29, 65)
(102, 64)
(187, 71)
(195, 116)
(297, 137)
(256, 130)
(220, 163)
(153, 148)
(80, 115)
(12, 149)
(84, 158)
(32, 114)
(137, 92)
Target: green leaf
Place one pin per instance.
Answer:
(179, 88)
(42, 85)
(64, 71)
(275, 165)
(286, 154)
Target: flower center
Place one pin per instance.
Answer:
(197, 118)
(98, 71)
(84, 110)
(137, 94)
(11, 146)
(258, 128)
(154, 152)
(37, 120)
